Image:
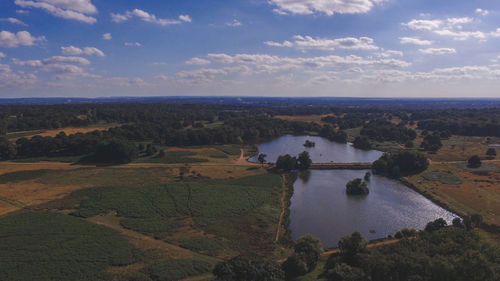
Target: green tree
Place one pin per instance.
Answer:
(351, 246)
(262, 158)
(247, 269)
(491, 152)
(357, 187)
(344, 272)
(307, 251)
(362, 143)
(474, 162)
(304, 161)
(7, 149)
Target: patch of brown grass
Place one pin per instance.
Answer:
(304, 118)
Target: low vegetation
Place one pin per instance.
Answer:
(400, 164)
(172, 270)
(357, 187)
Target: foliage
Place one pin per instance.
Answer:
(21, 176)
(304, 161)
(152, 225)
(7, 149)
(172, 270)
(491, 152)
(445, 254)
(115, 151)
(176, 156)
(474, 162)
(435, 225)
(309, 143)
(262, 158)
(247, 269)
(368, 176)
(210, 246)
(307, 251)
(362, 143)
(357, 187)
(286, 162)
(382, 130)
(50, 246)
(399, 164)
(330, 133)
(443, 177)
(431, 143)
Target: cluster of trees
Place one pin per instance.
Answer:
(357, 187)
(288, 163)
(439, 253)
(400, 164)
(362, 143)
(431, 142)
(329, 132)
(307, 251)
(309, 143)
(474, 162)
(382, 130)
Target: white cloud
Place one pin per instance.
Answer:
(13, 21)
(2, 55)
(459, 21)
(234, 23)
(185, 18)
(72, 50)
(495, 33)
(68, 9)
(309, 43)
(414, 41)
(197, 61)
(62, 67)
(9, 78)
(461, 35)
(147, 17)
(438, 51)
(107, 36)
(328, 7)
(390, 53)
(423, 24)
(132, 44)
(482, 12)
(22, 38)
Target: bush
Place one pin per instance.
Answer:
(474, 162)
(431, 143)
(398, 164)
(491, 152)
(362, 143)
(247, 269)
(357, 187)
(210, 246)
(172, 270)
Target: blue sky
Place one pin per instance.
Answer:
(370, 48)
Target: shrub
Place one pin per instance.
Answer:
(172, 270)
(474, 162)
(357, 187)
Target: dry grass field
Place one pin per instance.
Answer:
(304, 118)
(54, 132)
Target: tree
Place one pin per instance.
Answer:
(304, 161)
(435, 225)
(114, 151)
(402, 163)
(431, 143)
(247, 269)
(344, 272)
(362, 143)
(7, 149)
(286, 162)
(357, 187)
(262, 158)
(351, 246)
(491, 152)
(474, 162)
(307, 251)
(368, 176)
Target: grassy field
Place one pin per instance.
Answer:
(49, 246)
(304, 118)
(68, 131)
(463, 190)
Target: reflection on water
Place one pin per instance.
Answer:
(321, 207)
(324, 151)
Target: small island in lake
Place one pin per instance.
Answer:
(309, 143)
(357, 187)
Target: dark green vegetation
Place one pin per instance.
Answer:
(491, 152)
(309, 143)
(357, 187)
(474, 162)
(307, 251)
(172, 270)
(431, 143)
(439, 253)
(209, 246)
(400, 164)
(21, 176)
(443, 177)
(362, 143)
(287, 162)
(382, 130)
(49, 246)
(232, 209)
(248, 269)
(181, 156)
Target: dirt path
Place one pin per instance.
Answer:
(243, 161)
(283, 195)
(373, 245)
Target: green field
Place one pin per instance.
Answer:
(173, 157)
(50, 246)
(446, 178)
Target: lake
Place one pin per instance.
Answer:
(320, 206)
(325, 151)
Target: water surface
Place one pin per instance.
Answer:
(324, 151)
(321, 207)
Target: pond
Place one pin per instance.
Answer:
(324, 151)
(320, 206)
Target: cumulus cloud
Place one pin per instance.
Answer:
(438, 51)
(9, 78)
(482, 12)
(147, 17)
(328, 7)
(13, 21)
(197, 61)
(79, 10)
(423, 24)
(461, 35)
(390, 53)
(90, 51)
(2, 55)
(21, 38)
(234, 23)
(107, 36)
(414, 41)
(132, 44)
(310, 43)
(62, 67)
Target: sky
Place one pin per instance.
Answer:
(307, 48)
